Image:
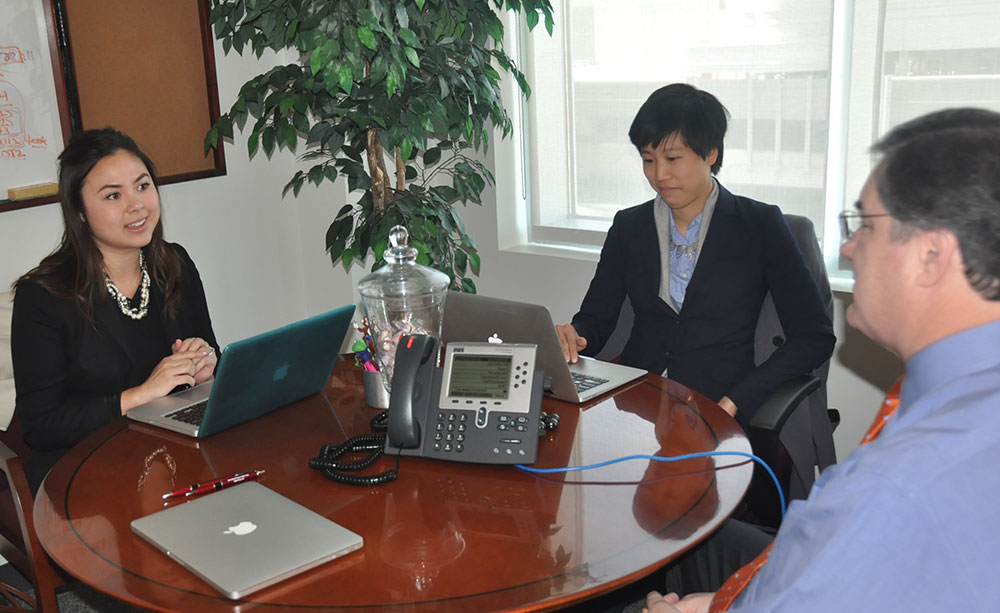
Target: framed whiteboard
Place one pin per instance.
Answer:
(33, 113)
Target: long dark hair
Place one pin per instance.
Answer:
(75, 270)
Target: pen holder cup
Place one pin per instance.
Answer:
(376, 395)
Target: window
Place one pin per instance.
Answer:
(809, 84)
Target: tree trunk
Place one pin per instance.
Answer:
(400, 171)
(376, 168)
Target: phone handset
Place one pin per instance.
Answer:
(412, 380)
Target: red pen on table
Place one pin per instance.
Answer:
(213, 485)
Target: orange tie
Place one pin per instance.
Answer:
(733, 586)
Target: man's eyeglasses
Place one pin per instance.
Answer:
(852, 221)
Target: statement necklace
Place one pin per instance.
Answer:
(122, 301)
(684, 251)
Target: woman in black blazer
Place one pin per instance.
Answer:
(115, 316)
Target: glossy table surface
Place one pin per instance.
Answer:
(445, 536)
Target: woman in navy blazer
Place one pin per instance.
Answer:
(696, 263)
(115, 316)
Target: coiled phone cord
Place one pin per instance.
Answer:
(329, 463)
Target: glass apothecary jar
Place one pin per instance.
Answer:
(401, 298)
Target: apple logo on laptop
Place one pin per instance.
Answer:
(242, 528)
(495, 340)
(281, 372)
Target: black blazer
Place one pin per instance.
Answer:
(69, 373)
(709, 346)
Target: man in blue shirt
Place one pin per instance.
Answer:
(907, 521)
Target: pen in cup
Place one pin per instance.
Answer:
(213, 485)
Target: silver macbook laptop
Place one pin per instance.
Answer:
(245, 538)
(472, 317)
(255, 376)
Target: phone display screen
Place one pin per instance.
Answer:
(480, 376)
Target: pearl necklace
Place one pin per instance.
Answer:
(140, 312)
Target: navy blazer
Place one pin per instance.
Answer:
(709, 345)
(69, 373)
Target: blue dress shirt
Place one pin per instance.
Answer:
(910, 521)
(683, 255)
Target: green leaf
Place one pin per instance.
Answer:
(252, 144)
(291, 136)
(267, 140)
(468, 286)
(345, 78)
(317, 132)
(391, 84)
(367, 37)
(531, 17)
(301, 122)
(402, 17)
(432, 156)
(336, 250)
(457, 218)
(495, 30)
(411, 54)
(347, 257)
(286, 103)
(379, 69)
(405, 149)
(318, 60)
(420, 4)
(367, 19)
(474, 262)
(407, 36)
(213, 138)
(461, 262)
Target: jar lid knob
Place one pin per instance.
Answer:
(399, 246)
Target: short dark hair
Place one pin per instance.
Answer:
(696, 115)
(76, 268)
(942, 171)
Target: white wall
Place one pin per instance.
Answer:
(262, 259)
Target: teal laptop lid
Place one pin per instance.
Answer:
(257, 375)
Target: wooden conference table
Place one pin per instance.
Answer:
(445, 536)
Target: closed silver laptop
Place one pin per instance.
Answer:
(473, 317)
(245, 538)
(255, 376)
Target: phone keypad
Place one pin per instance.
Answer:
(451, 426)
(449, 435)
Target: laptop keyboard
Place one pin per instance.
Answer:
(190, 415)
(583, 383)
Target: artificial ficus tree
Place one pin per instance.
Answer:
(395, 96)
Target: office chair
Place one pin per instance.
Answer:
(19, 543)
(793, 429)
